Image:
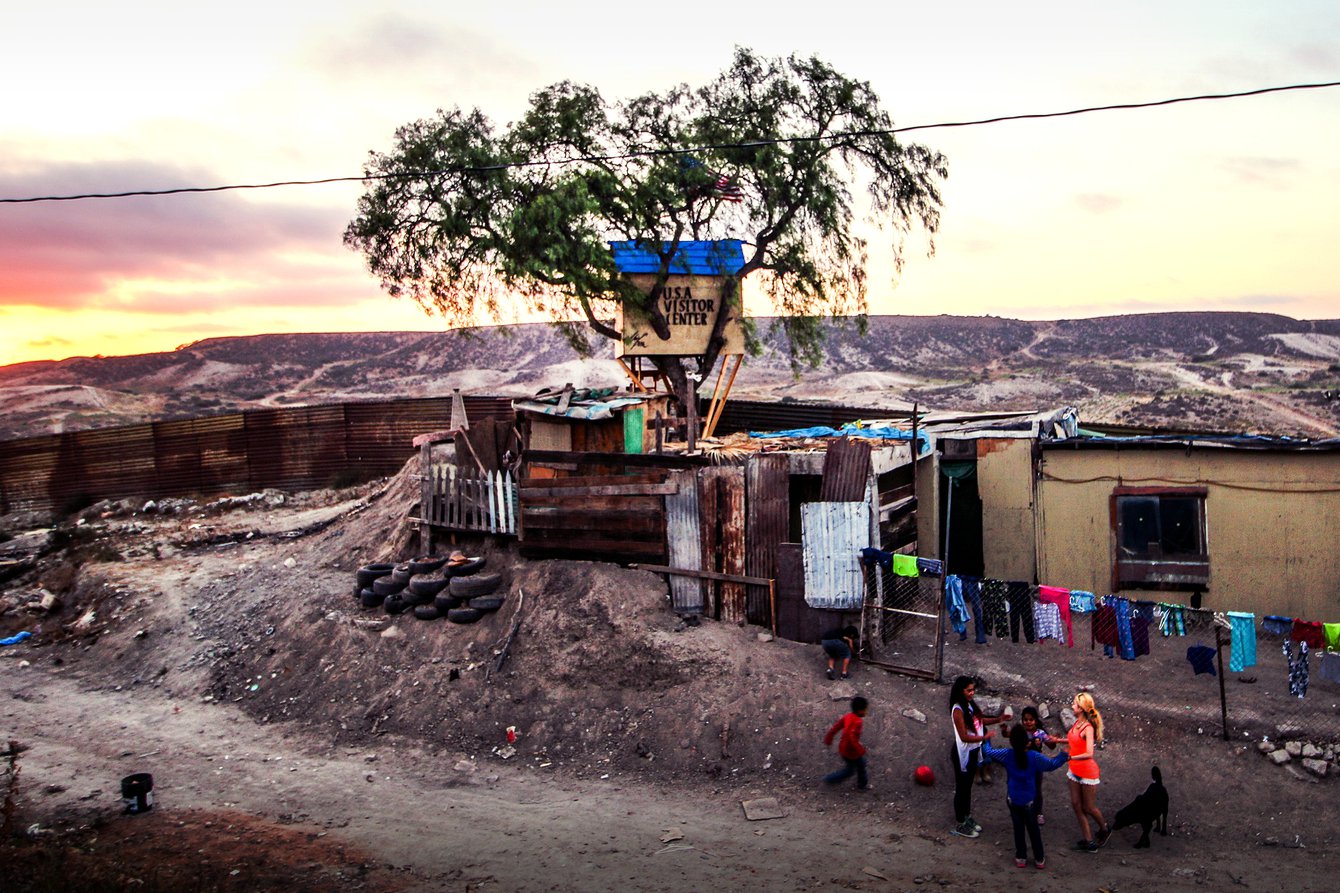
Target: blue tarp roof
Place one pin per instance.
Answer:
(723, 257)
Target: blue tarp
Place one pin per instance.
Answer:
(851, 429)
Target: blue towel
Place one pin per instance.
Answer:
(1242, 654)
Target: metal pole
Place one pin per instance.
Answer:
(1223, 698)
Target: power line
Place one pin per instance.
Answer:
(643, 153)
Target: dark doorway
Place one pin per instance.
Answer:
(961, 519)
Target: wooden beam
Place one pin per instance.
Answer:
(702, 575)
(715, 416)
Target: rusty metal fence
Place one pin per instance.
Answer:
(289, 448)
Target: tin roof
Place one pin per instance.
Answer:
(724, 257)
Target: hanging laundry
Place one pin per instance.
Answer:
(1082, 602)
(1328, 666)
(1242, 654)
(1020, 597)
(972, 594)
(1124, 640)
(1055, 595)
(1144, 610)
(1140, 636)
(1332, 631)
(957, 610)
(1103, 630)
(1202, 659)
(930, 567)
(877, 556)
(1047, 620)
(1309, 631)
(996, 607)
(905, 566)
(1297, 668)
(1173, 622)
(1277, 625)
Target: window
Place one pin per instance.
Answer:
(1160, 536)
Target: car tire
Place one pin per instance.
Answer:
(473, 566)
(401, 573)
(486, 603)
(427, 587)
(370, 598)
(464, 615)
(445, 601)
(395, 604)
(426, 612)
(387, 586)
(369, 572)
(426, 564)
(469, 587)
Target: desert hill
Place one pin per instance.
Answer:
(1254, 372)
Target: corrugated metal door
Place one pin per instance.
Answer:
(683, 541)
(766, 527)
(834, 533)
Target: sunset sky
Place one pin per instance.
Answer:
(1221, 205)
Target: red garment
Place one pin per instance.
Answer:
(1055, 595)
(849, 745)
(1104, 628)
(1311, 632)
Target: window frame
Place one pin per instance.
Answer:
(1155, 572)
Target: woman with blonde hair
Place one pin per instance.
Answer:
(1083, 739)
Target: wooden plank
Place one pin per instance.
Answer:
(594, 520)
(596, 544)
(701, 575)
(628, 490)
(652, 505)
(657, 477)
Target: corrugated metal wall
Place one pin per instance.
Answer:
(768, 506)
(290, 448)
(721, 510)
(834, 535)
(684, 544)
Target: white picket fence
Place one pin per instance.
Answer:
(464, 499)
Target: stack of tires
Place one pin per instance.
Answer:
(460, 593)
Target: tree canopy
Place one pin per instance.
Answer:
(461, 216)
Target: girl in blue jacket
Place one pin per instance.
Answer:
(1023, 770)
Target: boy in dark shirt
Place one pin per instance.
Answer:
(849, 745)
(839, 645)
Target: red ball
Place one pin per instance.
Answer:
(924, 776)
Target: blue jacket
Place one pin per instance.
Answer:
(1021, 785)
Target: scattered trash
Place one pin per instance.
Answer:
(873, 873)
(762, 808)
(16, 638)
(511, 734)
(670, 836)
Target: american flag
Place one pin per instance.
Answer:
(727, 189)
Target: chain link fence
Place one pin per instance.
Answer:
(1175, 668)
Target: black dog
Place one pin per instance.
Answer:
(1147, 810)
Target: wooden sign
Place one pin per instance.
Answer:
(690, 305)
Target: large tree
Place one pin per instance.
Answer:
(461, 217)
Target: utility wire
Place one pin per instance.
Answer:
(643, 153)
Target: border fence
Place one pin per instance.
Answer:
(288, 448)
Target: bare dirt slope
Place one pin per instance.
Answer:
(294, 745)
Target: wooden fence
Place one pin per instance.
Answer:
(470, 500)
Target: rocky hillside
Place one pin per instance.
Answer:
(1220, 371)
